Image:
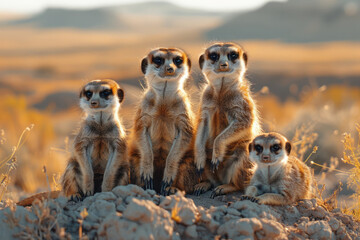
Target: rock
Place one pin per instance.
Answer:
(130, 190)
(62, 201)
(11, 221)
(148, 215)
(184, 207)
(191, 232)
(114, 227)
(102, 208)
(319, 212)
(271, 229)
(334, 224)
(319, 230)
(107, 196)
(240, 227)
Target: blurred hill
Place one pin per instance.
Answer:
(295, 21)
(64, 18)
(124, 17)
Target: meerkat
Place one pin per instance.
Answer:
(228, 121)
(278, 178)
(161, 152)
(99, 158)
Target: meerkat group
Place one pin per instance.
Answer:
(170, 149)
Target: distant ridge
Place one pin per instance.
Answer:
(83, 19)
(295, 21)
(108, 18)
(162, 8)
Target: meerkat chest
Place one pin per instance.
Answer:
(100, 152)
(268, 181)
(164, 116)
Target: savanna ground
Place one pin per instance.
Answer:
(309, 92)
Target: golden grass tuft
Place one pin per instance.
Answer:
(10, 161)
(351, 156)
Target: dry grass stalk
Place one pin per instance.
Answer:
(351, 156)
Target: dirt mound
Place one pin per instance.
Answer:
(129, 212)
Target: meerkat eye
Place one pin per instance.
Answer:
(105, 94)
(233, 56)
(158, 60)
(214, 56)
(88, 94)
(258, 148)
(178, 61)
(274, 148)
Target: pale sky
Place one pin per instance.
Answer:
(32, 6)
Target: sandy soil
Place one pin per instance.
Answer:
(129, 212)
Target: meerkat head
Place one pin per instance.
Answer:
(223, 60)
(270, 149)
(166, 64)
(101, 95)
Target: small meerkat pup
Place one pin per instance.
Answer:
(228, 121)
(278, 178)
(99, 158)
(161, 152)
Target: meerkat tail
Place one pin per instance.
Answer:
(40, 196)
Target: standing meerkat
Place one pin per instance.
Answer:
(228, 121)
(278, 178)
(161, 152)
(99, 158)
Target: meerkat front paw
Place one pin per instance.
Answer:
(77, 197)
(200, 160)
(217, 156)
(252, 199)
(201, 188)
(165, 187)
(147, 181)
(88, 190)
(146, 174)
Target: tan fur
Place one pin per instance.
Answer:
(161, 139)
(278, 179)
(228, 121)
(99, 157)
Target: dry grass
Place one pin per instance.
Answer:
(9, 163)
(352, 157)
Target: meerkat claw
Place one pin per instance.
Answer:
(165, 188)
(214, 166)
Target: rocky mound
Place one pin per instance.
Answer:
(129, 212)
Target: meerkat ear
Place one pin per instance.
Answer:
(288, 148)
(189, 63)
(250, 147)
(81, 93)
(245, 57)
(144, 64)
(201, 61)
(120, 94)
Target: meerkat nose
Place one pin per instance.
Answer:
(265, 158)
(170, 69)
(224, 64)
(94, 104)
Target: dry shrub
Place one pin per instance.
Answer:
(16, 115)
(351, 156)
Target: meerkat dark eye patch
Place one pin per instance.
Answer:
(88, 94)
(105, 93)
(233, 56)
(214, 56)
(258, 148)
(275, 148)
(158, 61)
(178, 61)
